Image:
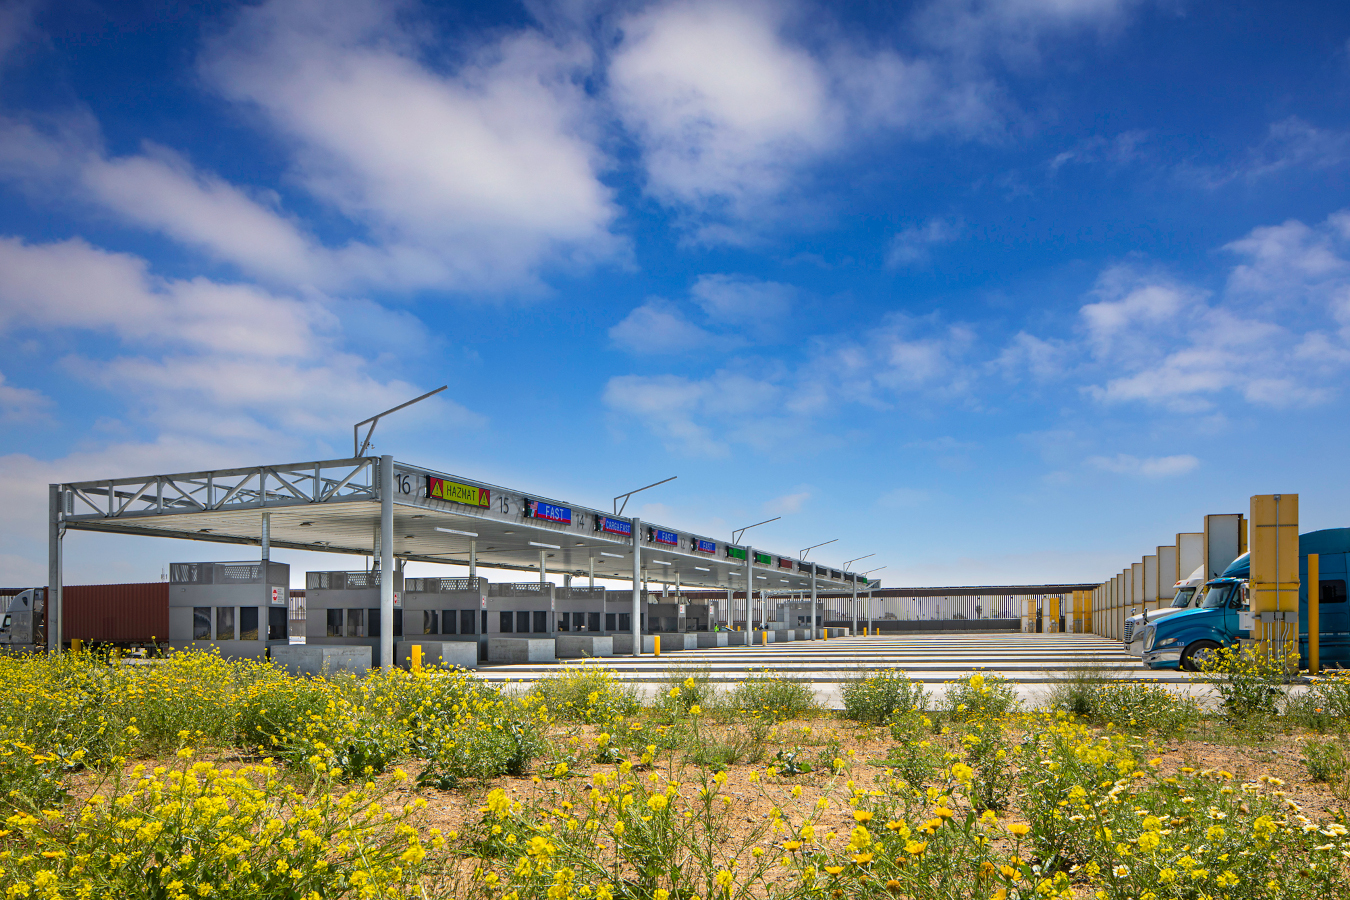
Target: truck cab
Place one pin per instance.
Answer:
(16, 626)
(1187, 596)
(1224, 613)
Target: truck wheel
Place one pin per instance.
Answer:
(1195, 653)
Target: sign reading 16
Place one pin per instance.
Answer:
(404, 482)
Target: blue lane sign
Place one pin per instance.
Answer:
(665, 537)
(703, 546)
(538, 509)
(614, 526)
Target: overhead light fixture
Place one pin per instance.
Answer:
(615, 555)
(457, 531)
(306, 524)
(508, 532)
(659, 562)
(409, 537)
(419, 516)
(762, 576)
(701, 569)
(547, 546)
(203, 530)
(581, 543)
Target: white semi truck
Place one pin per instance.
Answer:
(1187, 597)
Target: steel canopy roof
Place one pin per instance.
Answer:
(333, 506)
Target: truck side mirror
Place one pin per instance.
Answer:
(1245, 593)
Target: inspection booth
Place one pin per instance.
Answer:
(237, 607)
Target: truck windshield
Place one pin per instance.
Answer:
(1216, 596)
(1183, 597)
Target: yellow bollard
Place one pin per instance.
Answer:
(764, 638)
(417, 657)
(827, 633)
(1314, 613)
(656, 644)
(76, 645)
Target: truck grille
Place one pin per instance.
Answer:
(1129, 631)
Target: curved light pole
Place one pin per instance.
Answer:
(869, 596)
(750, 571)
(814, 633)
(637, 563)
(855, 591)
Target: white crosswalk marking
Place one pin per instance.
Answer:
(1033, 661)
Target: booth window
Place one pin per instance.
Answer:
(356, 623)
(610, 624)
(541, 622)
(506, 625)
(447, 621)
(334, 623)
(522, 623)
(224, 623)
(625, 622)
(248, 623)
(563, 620)
(430, 622)
(373, 628)
(592, 621)
(201, 623)
(398, 623)
(466, 621)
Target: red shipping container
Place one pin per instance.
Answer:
(120, 613)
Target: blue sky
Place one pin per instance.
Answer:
(1000, 292)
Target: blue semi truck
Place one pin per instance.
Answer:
(1224, 614)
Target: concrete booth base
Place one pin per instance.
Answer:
(712, 639)
(579, 646)
(673, 642)
(316, 659)
(520, 650)
(737, 638)
(783, 635)
(623, 644)
(439, 654)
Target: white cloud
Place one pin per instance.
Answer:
(1042, 359)
(1290, 144)
(787, 503)
(196, 356)
(21, 404)
(731, 108)
(904, 498)
(1148, 467)
(476, 177)
(1015, 30)
(658, 327)
(743, 300)
(914, 244)
(914, 362)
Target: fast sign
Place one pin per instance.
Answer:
(665, 537)
(614, 526)
(538, 509)
(703, 546)
(454, 492)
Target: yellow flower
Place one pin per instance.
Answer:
(916, 847)
(834, 870)
(862, 815)
(1019, 829)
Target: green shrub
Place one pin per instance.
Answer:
(982, 697)
(683, 689)
(587, 694)
(1326, 761)
(1332, 691)
(876, 698)
(989, 753)
(1075, 692)
(1250, 683)
(770, 697)
(1143, 708)
(490, 736)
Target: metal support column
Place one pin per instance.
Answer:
(814, 633)
(637, 586)
(854, 632)
(750, 588)
(54, 569)
(265, 542)
(473, 559)
(387, 563)
(592, 583)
